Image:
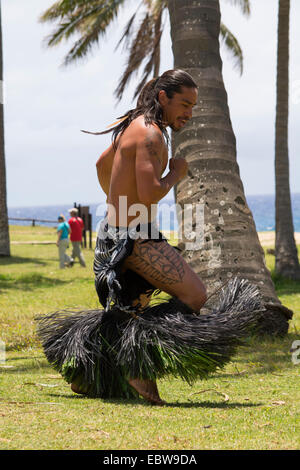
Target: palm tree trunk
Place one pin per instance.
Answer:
(4, 233)
(231, 246)
(286, 257)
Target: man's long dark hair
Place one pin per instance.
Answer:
(148, 104)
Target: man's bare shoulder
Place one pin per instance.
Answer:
(144, 140)
(145, 131)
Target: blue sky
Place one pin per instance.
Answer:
(49, 161)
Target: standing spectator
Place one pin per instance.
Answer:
(63, 231)
(77, 226)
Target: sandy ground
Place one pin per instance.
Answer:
(268, 238)
(265, 238)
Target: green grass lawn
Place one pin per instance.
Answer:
(251, 404)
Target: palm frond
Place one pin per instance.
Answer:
(60, 9)
(244, 6)
(232, 45)
(153, 63)
(138, 51)
(127, 35)
(145, 45)
(89, 19)
(83, 45)
(158, 6)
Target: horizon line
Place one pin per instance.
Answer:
(103, 202)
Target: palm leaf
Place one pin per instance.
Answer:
(89, 19)
(232, 45)
(144, 45)
(127, 35)
(154, 60)
(244, 6)
(60, 9)
(139, 49)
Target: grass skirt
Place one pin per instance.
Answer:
(100, 350)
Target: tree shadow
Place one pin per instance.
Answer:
(29, 281)
(268, 355)
(12, 359)
(18, 370)
(36, 364)
(285, 286)
(8, 260)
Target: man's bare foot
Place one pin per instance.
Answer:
(148, 390)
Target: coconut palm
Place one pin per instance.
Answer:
(286, 257)
(4, 233)
(141, 37)
(231, 245)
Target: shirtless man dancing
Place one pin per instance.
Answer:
(133, 166)
(119, 350)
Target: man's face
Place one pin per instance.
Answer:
(178, 109)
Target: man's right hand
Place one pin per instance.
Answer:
(178, 166)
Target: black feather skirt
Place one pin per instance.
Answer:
(99, 350)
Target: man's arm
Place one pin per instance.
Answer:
(150, 149)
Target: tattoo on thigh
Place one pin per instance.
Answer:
(159, 261)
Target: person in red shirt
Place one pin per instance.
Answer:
(76, 226)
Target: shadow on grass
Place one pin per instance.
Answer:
(36, 364)
(213, 405)
(285, 286)
(29, 281)
(270, 355)
(24, 358)
(140, 401)
(8, 260)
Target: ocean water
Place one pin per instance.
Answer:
(262, 207)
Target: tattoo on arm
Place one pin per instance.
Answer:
(153, 147)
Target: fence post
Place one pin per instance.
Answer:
(90, 229)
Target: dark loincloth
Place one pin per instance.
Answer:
(113, 246)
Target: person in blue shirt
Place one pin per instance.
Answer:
(63, 231)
